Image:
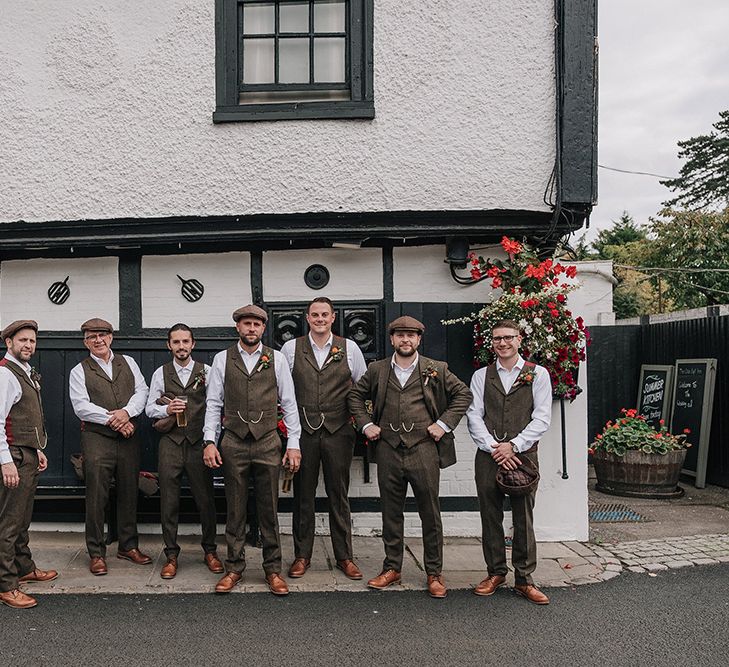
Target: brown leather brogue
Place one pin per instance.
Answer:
(436, 586)
(17, 599)
(531, 593)
(134, 555)
(97, 566)
(276, 584)
(384, 579)
(489, 585)
(38, 575)
(213, 563)
(227, 582)
(299, 567)
(169, 569)
(351, 571)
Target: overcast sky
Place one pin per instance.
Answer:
(664, 76)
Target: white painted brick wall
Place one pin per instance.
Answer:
(226, 278)
(353, 274)
(94, 285)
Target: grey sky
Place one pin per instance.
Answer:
(664, 76)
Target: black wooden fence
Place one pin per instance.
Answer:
(617, 353)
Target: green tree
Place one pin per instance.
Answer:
(614, 240)
(691, 248)
(704, 178)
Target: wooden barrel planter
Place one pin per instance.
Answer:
(639, 475)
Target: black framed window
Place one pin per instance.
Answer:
(287, 59)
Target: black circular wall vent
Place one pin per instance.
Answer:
(316, 276)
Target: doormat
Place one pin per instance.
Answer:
(614, 513)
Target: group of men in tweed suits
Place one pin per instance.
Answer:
(407, 406)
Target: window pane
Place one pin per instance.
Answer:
(258, 19)
(294, 17)
(258, 61)
(329, 60)
(329, 16)
(293, 60)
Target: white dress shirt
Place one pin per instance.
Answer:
(284, 382)
(90, 412)
(355, 358)
(541, 412)
(10, 394)
(157, 386)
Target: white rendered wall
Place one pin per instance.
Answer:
(353, 274)
(107, 111)
(93, 282)
(226, 278)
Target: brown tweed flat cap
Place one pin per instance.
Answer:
(250, 311)
(13, 328)
(406, 323)
(97, 324)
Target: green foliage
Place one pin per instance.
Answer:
(622, 235)
(631, 432)
(692, 240)
(704, 178)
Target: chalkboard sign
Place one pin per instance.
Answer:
(654, 393)
(693, 400)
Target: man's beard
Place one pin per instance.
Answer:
(181, 355)
(409, 353)
(246, 340)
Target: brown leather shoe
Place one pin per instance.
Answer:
(531, 593)
(276, 584)
(97, 566)
(489, 585)
(299, 567)
(351, 571)
(213, 563)
(436, 586)
(38, 575)
(134, 555)
(169, 569)
(17, 599)
(227, 582)
(384, 579)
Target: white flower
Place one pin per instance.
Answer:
(551, 338)
(528, 329)
(537, 320)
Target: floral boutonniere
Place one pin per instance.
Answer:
(199, 380)
(429, 373)
(265, 362)
(35, 377)
(335, 354)
(526, 376)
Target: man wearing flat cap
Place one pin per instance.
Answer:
(416, 404)
(22, 441)
(178, 388)
(108, 393)
(247, 382)
(324, 366)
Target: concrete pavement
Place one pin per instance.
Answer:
(686, 532)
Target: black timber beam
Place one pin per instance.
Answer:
(577, 99)
(267, 231)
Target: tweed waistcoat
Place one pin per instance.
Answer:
(405, 417)
(250, 404)
(109, 394)
(321, 393)
(195, 393)
(24, 425)
(506, 415)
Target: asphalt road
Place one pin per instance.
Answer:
(676, 618)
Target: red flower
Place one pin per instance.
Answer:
(687, 431)
(510, 247)
(571, 271)
(496, 282)
(476, 273)
(493, 272)
(561, 298)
